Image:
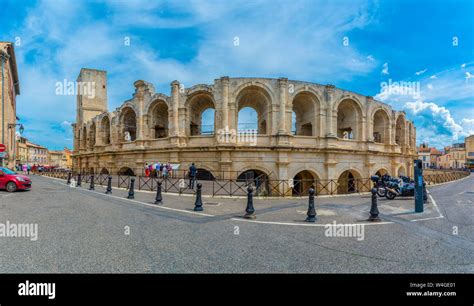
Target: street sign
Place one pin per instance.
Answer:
(2, 147)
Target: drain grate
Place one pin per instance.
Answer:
(212, 203)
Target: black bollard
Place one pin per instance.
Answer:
(374, 211)
(91, 186)
(109, 185)
(198, 203)
(69, 178)
(79, 180)
(249, 211)
(425, 194)
(311, 209)
(131, 192)
(159, 198)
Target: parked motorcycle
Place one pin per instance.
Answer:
(399, 188)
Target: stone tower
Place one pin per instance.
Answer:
(91, 97)
(92, 94)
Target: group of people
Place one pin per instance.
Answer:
(158, 170)
(28, 168)
(166, 170)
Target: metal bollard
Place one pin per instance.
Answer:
(374, 211)
(109, 185)
(131, 192)
(69, 178)
(159, 198)
(311, 209)
(91, 186)
(249, 210)
(198, 203)
(79, 178)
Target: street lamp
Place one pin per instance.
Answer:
(21, 129)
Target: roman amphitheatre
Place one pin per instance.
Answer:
(303, 132)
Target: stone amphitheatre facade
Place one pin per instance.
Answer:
(338, 135)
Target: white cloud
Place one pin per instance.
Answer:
(385, 69)
(421, 72)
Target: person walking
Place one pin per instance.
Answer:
(192, 176)
(164, 172)
(28, 169)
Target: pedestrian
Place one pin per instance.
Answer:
(28, 169)
(147, 170)
(164, 172)
(170, 169)
(161, 169)
(192, 176)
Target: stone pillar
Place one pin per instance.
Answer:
(225, 102)
(329, 95)
(175, 107)
(283, 86)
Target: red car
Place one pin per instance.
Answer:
(11, 181)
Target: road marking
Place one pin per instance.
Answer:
(434, 203)
(306, 224)
(252, 221)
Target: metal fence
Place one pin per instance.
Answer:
(261, 186)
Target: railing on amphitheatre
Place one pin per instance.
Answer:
(179, 183)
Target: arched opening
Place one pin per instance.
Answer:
(381, 127)
(381, 172)
(92, 137)
(304, 119)
(207, 121)
(348, 182)
(84, 138)
(400, 131)
(104, 171)
(128, 124)
(126, 171)
(196, 106)
(258, 99)
(158, 115)
(302, 182)
(349, 117)
(204, 175)
(248, 119)
(105, 126)
(402, 171)
(258, 178)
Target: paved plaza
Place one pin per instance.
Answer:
(87, 231)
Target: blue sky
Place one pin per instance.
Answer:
(355, 45)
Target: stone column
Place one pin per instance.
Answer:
(283, 86)
(225, 102)
(175, 107)
(329, 95)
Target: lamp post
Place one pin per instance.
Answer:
(21, 129)
(3, 58)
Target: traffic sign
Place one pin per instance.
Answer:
(2, 147)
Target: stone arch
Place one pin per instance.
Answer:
(128, 123)
(381, 126)
(105, 129)
(381, 171)
(204, 174)
(400, 130)
(104, 171)
(402, 171)
(126, 171)
(303, 180)
(158, 119)
(349, 119)
(196, 104)
(92, 132)
(349, 182)
(305, 106)
(260, 99)
(84, 138)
